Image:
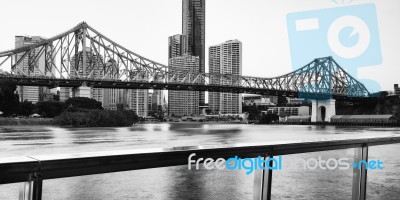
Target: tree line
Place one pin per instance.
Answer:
(77, 111)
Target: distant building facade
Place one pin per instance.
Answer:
(177, 45)
(194, 26)
(396, 89)
(31, 66)
(184, 103)
(289, 111)
(294, 101)
(259, 100)
(110, 98)
(225, 58)
(76, 71)
(138, 101)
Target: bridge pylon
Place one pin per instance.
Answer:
(323, 110)
(82, 91)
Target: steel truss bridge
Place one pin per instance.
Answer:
(110, 65)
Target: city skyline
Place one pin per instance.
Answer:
(259, 50)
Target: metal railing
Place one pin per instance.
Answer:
(32, 170)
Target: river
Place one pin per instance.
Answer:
(180, 183)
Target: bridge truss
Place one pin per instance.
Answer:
(84, 56)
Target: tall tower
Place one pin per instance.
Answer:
(177, 45)
(31, 67)
(93, 60)
(225, 58)
(193, 25)
(184, 103)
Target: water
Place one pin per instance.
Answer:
(180, 183)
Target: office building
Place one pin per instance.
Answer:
(225, 58)
(177, 45)
(156, 103)
(259, 100)
(31, 67)
(64, 93)
(290, 111)
(193, 25)
(138, 101)
(184, 103)
(76, 70)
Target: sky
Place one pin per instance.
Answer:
(143, 26)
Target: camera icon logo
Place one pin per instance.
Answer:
(349, 34)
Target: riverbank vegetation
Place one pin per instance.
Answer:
(75, 112)
(97, 118)
(25, 122)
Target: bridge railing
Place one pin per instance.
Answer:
(32, 170)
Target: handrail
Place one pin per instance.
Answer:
(66, 165)
(21, 169)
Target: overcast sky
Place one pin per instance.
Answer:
(143, 26)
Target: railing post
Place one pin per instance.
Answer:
(360, 175)
(31, 189)
(263, 181)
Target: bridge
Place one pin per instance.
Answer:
(83, 58)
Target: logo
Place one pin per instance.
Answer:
(251, 164)
(349, 34)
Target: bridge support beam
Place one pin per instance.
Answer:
(323, 110)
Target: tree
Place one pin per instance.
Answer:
(208, 111)
(76, 103)
(50, 108)
(121, 106)
(56, 97)
(268, 118)
(9, 103)
(253, 111)
(26, 108)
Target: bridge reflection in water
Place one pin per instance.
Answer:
(33, 170)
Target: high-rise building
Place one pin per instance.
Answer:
(30, 67)
(177, 45)
(184, 103)
(64, 93)
(155, 102)
(225, 58)
(76, 70)
(193, 25)
(110, 98)
(138, 101)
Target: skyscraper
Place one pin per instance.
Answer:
(177, 45)
(225, 58)
(138, 101)
(184, 103)
(94, 60)
(193, 25)
(30, 67)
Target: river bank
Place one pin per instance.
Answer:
(26, 122)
